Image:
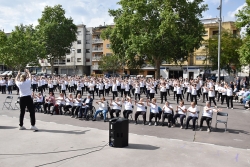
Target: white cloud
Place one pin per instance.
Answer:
(231, 14)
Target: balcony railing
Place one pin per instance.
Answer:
(97, 50)
(97, 40)
(96, 58)
(95, 67)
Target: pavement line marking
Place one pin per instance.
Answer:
(238, 140)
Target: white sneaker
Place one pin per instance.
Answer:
(200, 129)
(155, 124)
(33, 128)
(181, 127)
(208, 130)
(173, 125)
(232, 108)
(149, 124)
(22, 128)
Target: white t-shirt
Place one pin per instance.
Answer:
(193, 110)
(24, 87)
(154, 108)
(167, 109)
(116, 106)
(128, 105)
(103, 105)
(208, 113)
(211, 93)
(141, 107)
(180, 111)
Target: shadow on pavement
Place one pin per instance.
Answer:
(142, 147)
(8, 127)
(234, 131)
(75, 132)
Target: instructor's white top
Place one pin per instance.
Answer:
(24, 87)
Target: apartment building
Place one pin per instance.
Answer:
(195, 64)
(78, 60)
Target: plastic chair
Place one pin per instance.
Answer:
(7, 103)
(222, 114)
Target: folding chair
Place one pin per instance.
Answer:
(222, 114)
(131, 114)
(7, 103)
(17, 105)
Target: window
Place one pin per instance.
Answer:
(87, 59)
(79, 59)
(108, 46)
(68, 60)
(79, 50)
(79, 41)
(108, 54)
(79, 33)
(215, 32)
(87, 51)
(87, 42)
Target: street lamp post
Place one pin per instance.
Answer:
(219, 40)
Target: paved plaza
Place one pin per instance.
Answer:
(64, 141)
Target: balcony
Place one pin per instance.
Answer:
(94, 41)
(95, 67)
(97, 50)
(96, 58)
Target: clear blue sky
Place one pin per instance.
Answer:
(89, 12)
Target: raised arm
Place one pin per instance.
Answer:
(17, 79)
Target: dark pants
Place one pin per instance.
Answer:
(101, 92)
(212, 99)
(47, 107)
(163, 95)
(194, 98)
(126, 113)
(207, 119)
(114, 94)
(219, 96)
(169, 116)
(230, 100)
(122, 92)
(153, 115)
(27, 101)
(193, 119)
(66, 108)
(10, 89)
(178, 96)
(116, 112)
(143, 113)
(137, 94)
(205, 95)
(182, 116)
(223, 97)
(93, 94)
(188, 95)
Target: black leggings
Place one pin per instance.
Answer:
(169, 116)
(194, 98)
(194, 121)
(47, 106)
(212, 99)
(116, 112)
(143, 113)
(163, 95)
(126, 113)
(230, 99)
(205, 95)
(207, 119)
(26, 101)
(182, 116)
(151, 115)
(178, 96)
(188, 95)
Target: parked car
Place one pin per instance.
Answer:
(5, 74)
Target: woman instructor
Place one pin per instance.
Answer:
(23, 82)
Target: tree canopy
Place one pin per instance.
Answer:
(21, 48)
(56, 32)
(243, 21)
(230, 43)
(156, 30)
(110, 63)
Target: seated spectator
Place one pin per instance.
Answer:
(180, 112)
(116, 107)
(103, 107)
(207, 116)
(141, 110)
(38, 99)
(246, 99)
(128, 107)
(192, 115)
(69, 103)
(49, 101)
(60, 103)
(76, 107)
(154, 111)
(167, 113)
(239, 95)
(87, 104)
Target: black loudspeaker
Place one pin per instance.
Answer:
(118, 132)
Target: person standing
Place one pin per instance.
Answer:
(24, 84)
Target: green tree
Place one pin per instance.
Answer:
(57, 33)
(230, 43)
(21, 48)
(110, 63)
(243, 21)
(156, 30)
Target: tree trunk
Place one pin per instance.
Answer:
(158, 67)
